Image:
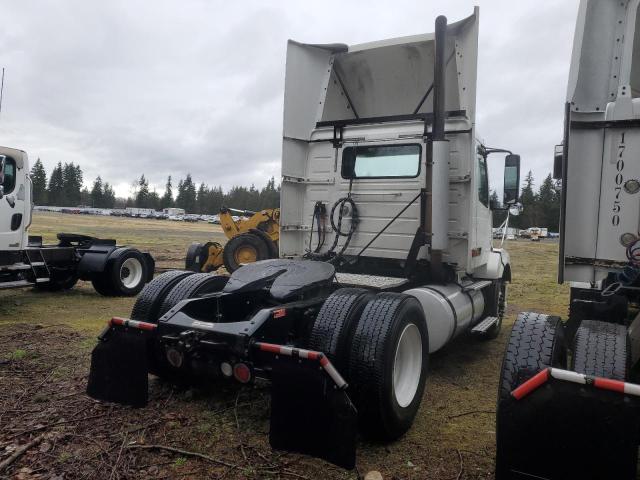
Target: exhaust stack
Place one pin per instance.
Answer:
(439, 154)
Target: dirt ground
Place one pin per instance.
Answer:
(221, 431)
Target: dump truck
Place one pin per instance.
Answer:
(385, 250)
(568, 402)
(25, 261)
(252, 237)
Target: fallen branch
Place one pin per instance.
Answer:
(461, 465)
(471, 413)
(20, 451)
(55, 424)
(184, 452)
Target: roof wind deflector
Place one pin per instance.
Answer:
(331, 47)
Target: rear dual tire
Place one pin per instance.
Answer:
(125, 274)
(380, 344)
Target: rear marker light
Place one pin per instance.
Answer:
(226, 369)
(242, 372)
(279, 313)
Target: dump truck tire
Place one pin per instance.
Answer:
(601, 349)
(125, 274)
(333, 328)
(244, 248)
(388, 364)
(192, 286)
(149, 302)
(536, 342)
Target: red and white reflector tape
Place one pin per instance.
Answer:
(320, 357)
(542, 377)
(125, 322)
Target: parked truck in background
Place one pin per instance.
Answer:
(568, 404)
(26, 261)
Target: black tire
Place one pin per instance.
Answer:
(243, 241)
(149, 302)
(496, 301)
(271, 245)
(60, 279)
(333, 328)
(371, 364)
(601, 349)
(193, 260)
(192, 286)
(536, 342)
(114, 280)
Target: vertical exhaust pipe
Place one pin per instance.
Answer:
(439, 157)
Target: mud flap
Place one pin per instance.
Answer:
(119, 369)
(563, 431)
(310, 416)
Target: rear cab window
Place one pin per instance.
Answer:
(384, 161)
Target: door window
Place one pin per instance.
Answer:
(483, 181)
(9, 182)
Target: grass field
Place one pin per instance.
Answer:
(45, 341)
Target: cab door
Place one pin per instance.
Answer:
(15, 210)
(481, 243)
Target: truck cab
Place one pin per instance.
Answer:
(15, 200)
(358, 124)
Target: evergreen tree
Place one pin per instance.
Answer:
(71, 184)
(186, 198)
(528, 218)
(547, 205)
(39, 183)
(142, 195)
(108, 196)
(97, 193)
(201, 199)
(167, 198)
(55, 193)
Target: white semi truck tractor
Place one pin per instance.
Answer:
(568, 405)
(385, 252)
(25, 261)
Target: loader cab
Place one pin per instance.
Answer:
(15, 199)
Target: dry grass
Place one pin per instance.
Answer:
(456, 420)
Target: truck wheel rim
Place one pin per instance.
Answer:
(131, 272)
(246, 254)
(407, 366)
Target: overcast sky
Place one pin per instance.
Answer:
(125, 87)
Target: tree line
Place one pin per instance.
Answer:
(65, 188)
(539, 209)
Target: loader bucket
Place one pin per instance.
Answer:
(310, 416)
(119, 369)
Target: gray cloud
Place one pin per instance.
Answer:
(169, 87)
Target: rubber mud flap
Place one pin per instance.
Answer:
(119, 369)
(310, 416)
(563, 430)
